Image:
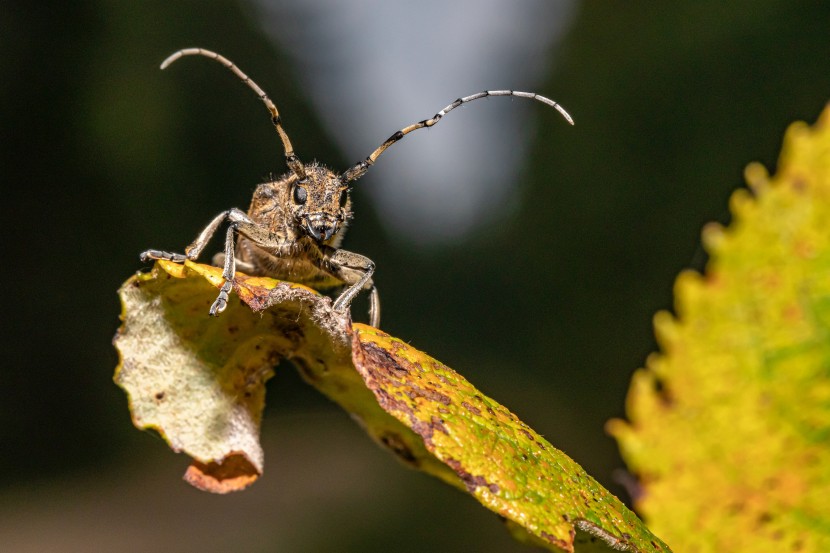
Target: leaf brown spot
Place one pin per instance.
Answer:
(382, 359)
(438, 424)
(470, 481)
(430, 394)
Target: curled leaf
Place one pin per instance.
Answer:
(199, 381)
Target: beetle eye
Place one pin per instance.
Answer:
(344, 197)
(300, 194)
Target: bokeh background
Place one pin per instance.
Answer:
(528, 255)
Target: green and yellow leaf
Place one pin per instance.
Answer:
(729, 426)
(199, 381)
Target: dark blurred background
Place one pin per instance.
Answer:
(540, 290)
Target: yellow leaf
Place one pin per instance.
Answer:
(729, 426)
(199, 381)
(501, 461)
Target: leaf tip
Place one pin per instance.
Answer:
(233, 473)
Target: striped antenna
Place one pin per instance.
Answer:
(291, 159)
(360, 168)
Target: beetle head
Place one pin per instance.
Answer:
(320, 203)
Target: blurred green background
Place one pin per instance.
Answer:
(548, 311)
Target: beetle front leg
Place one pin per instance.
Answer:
(240, 222)
(228, 272)
(356, 271)
(195, 248)
(151, 255)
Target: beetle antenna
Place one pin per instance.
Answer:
(291, 158)
(359, 169)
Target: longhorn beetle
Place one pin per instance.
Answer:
(295, 224)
